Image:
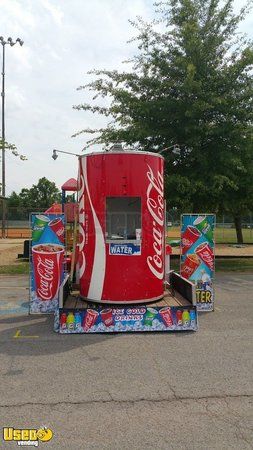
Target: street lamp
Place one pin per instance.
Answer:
(55, 156)
(4, 42)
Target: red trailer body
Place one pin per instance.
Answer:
(121, 227)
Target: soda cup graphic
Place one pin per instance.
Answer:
(205, 253)
(57, 227)
(202, 224)
(149, 316)
(39, 225)
(166, 316)
(189, 237)
(47, 267)
(107, 318)
(189, 266)
(89, 319)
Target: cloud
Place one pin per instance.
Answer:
(55, 11)
(62, 41)
(17, 14)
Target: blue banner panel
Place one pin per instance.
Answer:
(128, 319)
(46, 261)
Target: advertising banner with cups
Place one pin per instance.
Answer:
(46, 261)
(112, 319)
(197, 256)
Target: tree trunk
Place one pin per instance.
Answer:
(238, 228)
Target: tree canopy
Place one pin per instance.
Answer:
(13, 149)
(40, 196)
(190, 84)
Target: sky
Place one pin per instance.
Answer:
(63, 40)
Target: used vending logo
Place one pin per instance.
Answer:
(155, 204)
(27, 436)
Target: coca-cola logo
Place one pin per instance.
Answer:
(206, 254)
(187, 270)
(60, 231)
(155, 205)
(207, 257)
(186, 242)
(45, 269)
(89, 320)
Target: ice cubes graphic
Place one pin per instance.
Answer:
(38, 306)
(56, 321)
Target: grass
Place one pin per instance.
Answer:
(228, 236)
(224, 265)
(222, 235)
(234, 265)
(22, 268)
(221, 265)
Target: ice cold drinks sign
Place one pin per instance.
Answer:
(115, 319)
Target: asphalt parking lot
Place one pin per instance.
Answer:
(130, 391)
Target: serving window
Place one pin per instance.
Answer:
(123, 218)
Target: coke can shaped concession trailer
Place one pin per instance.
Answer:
(122, 227)
(121, 266)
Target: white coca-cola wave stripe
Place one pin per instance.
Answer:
(98, 270)
(82, 260)
(81, 215)
(81, 235)
(60, 274)
(82, 264)
(80, 194)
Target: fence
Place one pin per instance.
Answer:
(17, 222)
(17, 225)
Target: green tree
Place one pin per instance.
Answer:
(190, 84)
(14, 200)
(45, 193)
(39, 196)
(15, 209)
(237, 198)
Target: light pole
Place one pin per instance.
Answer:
(4, 42)
(176, 149)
